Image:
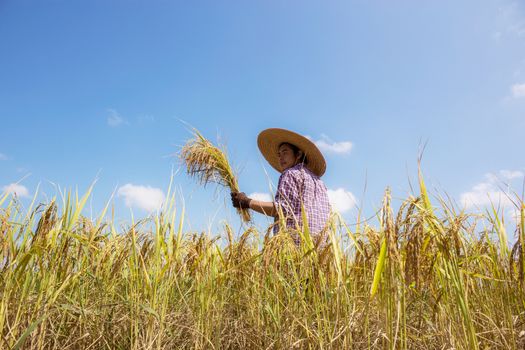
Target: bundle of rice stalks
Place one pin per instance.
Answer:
(209, 163)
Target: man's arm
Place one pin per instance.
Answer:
(266, 208)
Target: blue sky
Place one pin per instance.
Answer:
(93, 88)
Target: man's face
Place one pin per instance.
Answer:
(287, 158)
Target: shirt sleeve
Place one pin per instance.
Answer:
(287, 193)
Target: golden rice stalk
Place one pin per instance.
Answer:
(209, 163)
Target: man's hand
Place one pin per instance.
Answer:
(240, 200)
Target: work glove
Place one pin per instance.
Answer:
(240, 200)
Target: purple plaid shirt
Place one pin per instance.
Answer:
(298, 184)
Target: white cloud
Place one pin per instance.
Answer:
(327, 145)
(518, 90)
(14, 188)
(489, 191)
(265, 197)
(3, 156)
(511, 174)
(143, 197)
(341, 200)
(482, 195)
(115, 119)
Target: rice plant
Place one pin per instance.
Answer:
(428, 277)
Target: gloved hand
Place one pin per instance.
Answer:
(240, 200)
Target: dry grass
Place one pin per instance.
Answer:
(209, 163)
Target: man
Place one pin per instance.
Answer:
(301, 165)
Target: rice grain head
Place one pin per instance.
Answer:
(209, 163)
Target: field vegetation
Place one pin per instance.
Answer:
(428, 277)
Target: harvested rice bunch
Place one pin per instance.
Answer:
(208, 163)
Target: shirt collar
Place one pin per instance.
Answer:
(299, 166)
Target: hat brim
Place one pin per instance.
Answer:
(269, 141)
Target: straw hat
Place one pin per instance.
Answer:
(269, 141)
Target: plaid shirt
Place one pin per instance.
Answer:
(298, 184)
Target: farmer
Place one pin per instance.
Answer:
(301, 165)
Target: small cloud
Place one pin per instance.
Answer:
(265, 197)
(489, 192)
(482, 195)
(17, 189)
(518, 90)
(115, 119)
(143, 197)
(511, 174)
(327, 145)
(341, 200)
(3, 157)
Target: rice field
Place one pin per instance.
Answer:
(427, 277)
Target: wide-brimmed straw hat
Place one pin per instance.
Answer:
(269, 141)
